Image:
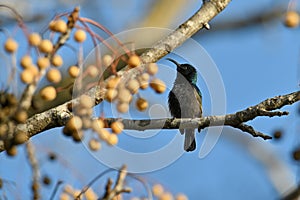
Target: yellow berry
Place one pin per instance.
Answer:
(157, 190)
(86, 101)
(64, 196)
(111, 94)
(107, 60)
(92, 71)
(141, 104)
(82, 111)
(112, 139)
(124, 95)
(97, 125)
(76, 193)
(134, 61)
(12, 151)
(34, 39)
(113, 82)
(80, 36)
(54, 76)
(26, 61)
(133, 86)
(68, 189)
(46, 46)
(48, 93)
(166, 196)
(123, 107)
(143, 80)
(74, 71)
(21, 116)
(33, 70)
(74, 123)
(77, 135)
(20, 138)
(57, 60)
(59, 26)
(86, 123)
(144, 77)
(121, 86)
(181, 197)
(90, 194)
(10, 45)
(43, 62)
(117, 127)
(27, 76)
(143, 84)
(51, 25)
(103, 134)
(35, 186)
(158, 85)
(152, 68)
(292, 19)
(3, 130)
(94, 145)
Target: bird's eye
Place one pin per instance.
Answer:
(184, 67)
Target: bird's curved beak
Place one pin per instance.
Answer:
(173, 61)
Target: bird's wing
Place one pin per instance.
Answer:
(198, 96)
(174, 105)
(197, 90)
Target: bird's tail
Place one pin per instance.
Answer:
(189, 141)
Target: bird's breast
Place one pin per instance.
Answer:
(184, 101)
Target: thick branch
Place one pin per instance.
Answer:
(294, 194)
(236, 120)
(198, 21)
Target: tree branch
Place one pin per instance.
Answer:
(292, 195)
(198, 21)
(236, 120)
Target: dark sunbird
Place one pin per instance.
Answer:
(185, 100)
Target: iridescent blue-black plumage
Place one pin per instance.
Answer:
(185, 100)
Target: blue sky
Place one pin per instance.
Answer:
(254, 63)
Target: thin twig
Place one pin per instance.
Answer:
(144, 183)
(85, 188)
(35, 170)
(119, 187)
(109, 191)
(55, 189)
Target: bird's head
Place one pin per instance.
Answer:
(186, 70)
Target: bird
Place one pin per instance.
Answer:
(185, 100)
